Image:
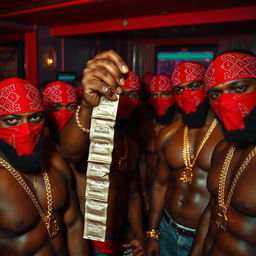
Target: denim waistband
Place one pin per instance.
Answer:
(180, 229)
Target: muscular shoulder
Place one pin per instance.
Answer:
(167, 133)
(56, 161)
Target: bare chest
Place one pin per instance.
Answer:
(235, 181)
(18, 209)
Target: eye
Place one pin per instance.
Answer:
(239, 89)
(194, 85)
(53, 108)
(133, 95)
(153, 95)
(36, 118)
(72, 106)
(12, 121)
(166, 94)
(177, 90)
(213, 95)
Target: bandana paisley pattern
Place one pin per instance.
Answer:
(160, 83)
(188, 72)
(132, 81)
(59, 92)
(228, 67)
(11, 101)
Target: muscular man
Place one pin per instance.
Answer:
(184, 149)
(161, 108)
(60, 101)
(39, 213)
(101, 77)
(228, 225)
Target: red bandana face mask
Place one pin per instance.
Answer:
(20, 96)
(189, 100)
(161, 83)
(24, 137)
(126, 107)
(161, 104)
(60, 117)
(232, 108)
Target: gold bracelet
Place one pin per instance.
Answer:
(153, 234)
(82, 129)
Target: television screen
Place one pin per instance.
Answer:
(67, 77)
(168, 59)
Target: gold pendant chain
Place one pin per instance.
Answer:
(49, 218)
(187, 175)
(222, 220)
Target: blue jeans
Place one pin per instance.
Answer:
(171, 242)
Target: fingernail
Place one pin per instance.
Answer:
(124, 68)
(119, 90)
(122, 81)
(114, 97)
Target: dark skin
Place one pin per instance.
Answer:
(106, 70)
(59, 106)
(22, 231)
(184, 202)
(147, 131)
(239, 237)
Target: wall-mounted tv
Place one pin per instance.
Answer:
(168, 58)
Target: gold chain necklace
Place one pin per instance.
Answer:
(48, 219)
(187, 174)
(222, 220)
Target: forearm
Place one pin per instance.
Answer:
(73, 142)
(135, 216)
(157, 204)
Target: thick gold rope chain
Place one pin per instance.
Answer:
(222, 219)
(187, 174)
(49, 219)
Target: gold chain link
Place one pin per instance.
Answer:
(46, 218)
(224, 173)
(186, 145)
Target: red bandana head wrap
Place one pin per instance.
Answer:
(230, 66)
(232, 108)
(127, 105)
(161, 83)
(188, 71)
(59, 92)
(20, 96)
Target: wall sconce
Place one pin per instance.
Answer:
(50, 58)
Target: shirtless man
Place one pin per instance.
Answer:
(101, 77)
(162, 109)
(39, 213)
(184, 149)
(228, 225)
(60, 101)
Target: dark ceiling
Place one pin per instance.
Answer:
(53, 13)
